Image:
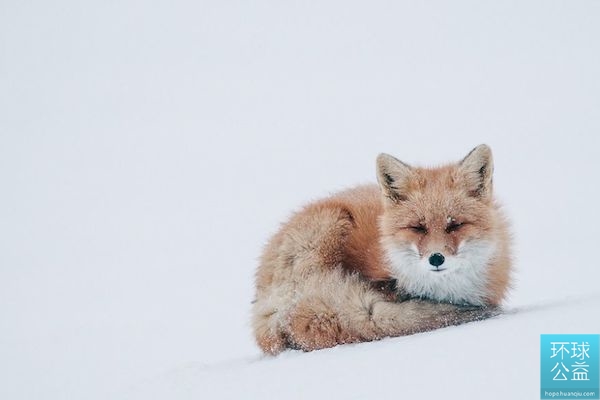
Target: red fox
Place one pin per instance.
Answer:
(425, 249)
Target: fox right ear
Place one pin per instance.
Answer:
(478, 168)
(392, 175)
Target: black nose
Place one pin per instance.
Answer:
(436, 259)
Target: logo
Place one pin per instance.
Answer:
(570, 366)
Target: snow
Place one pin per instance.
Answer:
(477, 360)
(148, 150)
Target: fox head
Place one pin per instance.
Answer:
(442, 231)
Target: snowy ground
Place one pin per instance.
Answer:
(148, 150)
(483, 360)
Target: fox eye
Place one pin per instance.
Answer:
(419, 229)
(454, 226)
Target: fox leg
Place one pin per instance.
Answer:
(415, 316)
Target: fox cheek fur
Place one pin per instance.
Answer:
(443, 234)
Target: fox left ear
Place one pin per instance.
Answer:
(478, 168)
(393, 176)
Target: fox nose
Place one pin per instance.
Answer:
(436, 259)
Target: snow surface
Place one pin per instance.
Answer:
(149, 149)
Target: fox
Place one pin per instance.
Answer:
(423, 249)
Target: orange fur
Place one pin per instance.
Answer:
(313, 280)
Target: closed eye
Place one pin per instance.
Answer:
(418, 229)
(454, 226)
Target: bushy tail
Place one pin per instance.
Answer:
(343, 308)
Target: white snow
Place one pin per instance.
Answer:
(148, 150)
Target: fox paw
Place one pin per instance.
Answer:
(312, 329)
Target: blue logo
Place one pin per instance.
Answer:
(570, 366)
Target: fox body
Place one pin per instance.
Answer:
(435, 237)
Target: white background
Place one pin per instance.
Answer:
(149, 149)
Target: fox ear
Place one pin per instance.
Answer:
(392, 175)
(478, 168)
